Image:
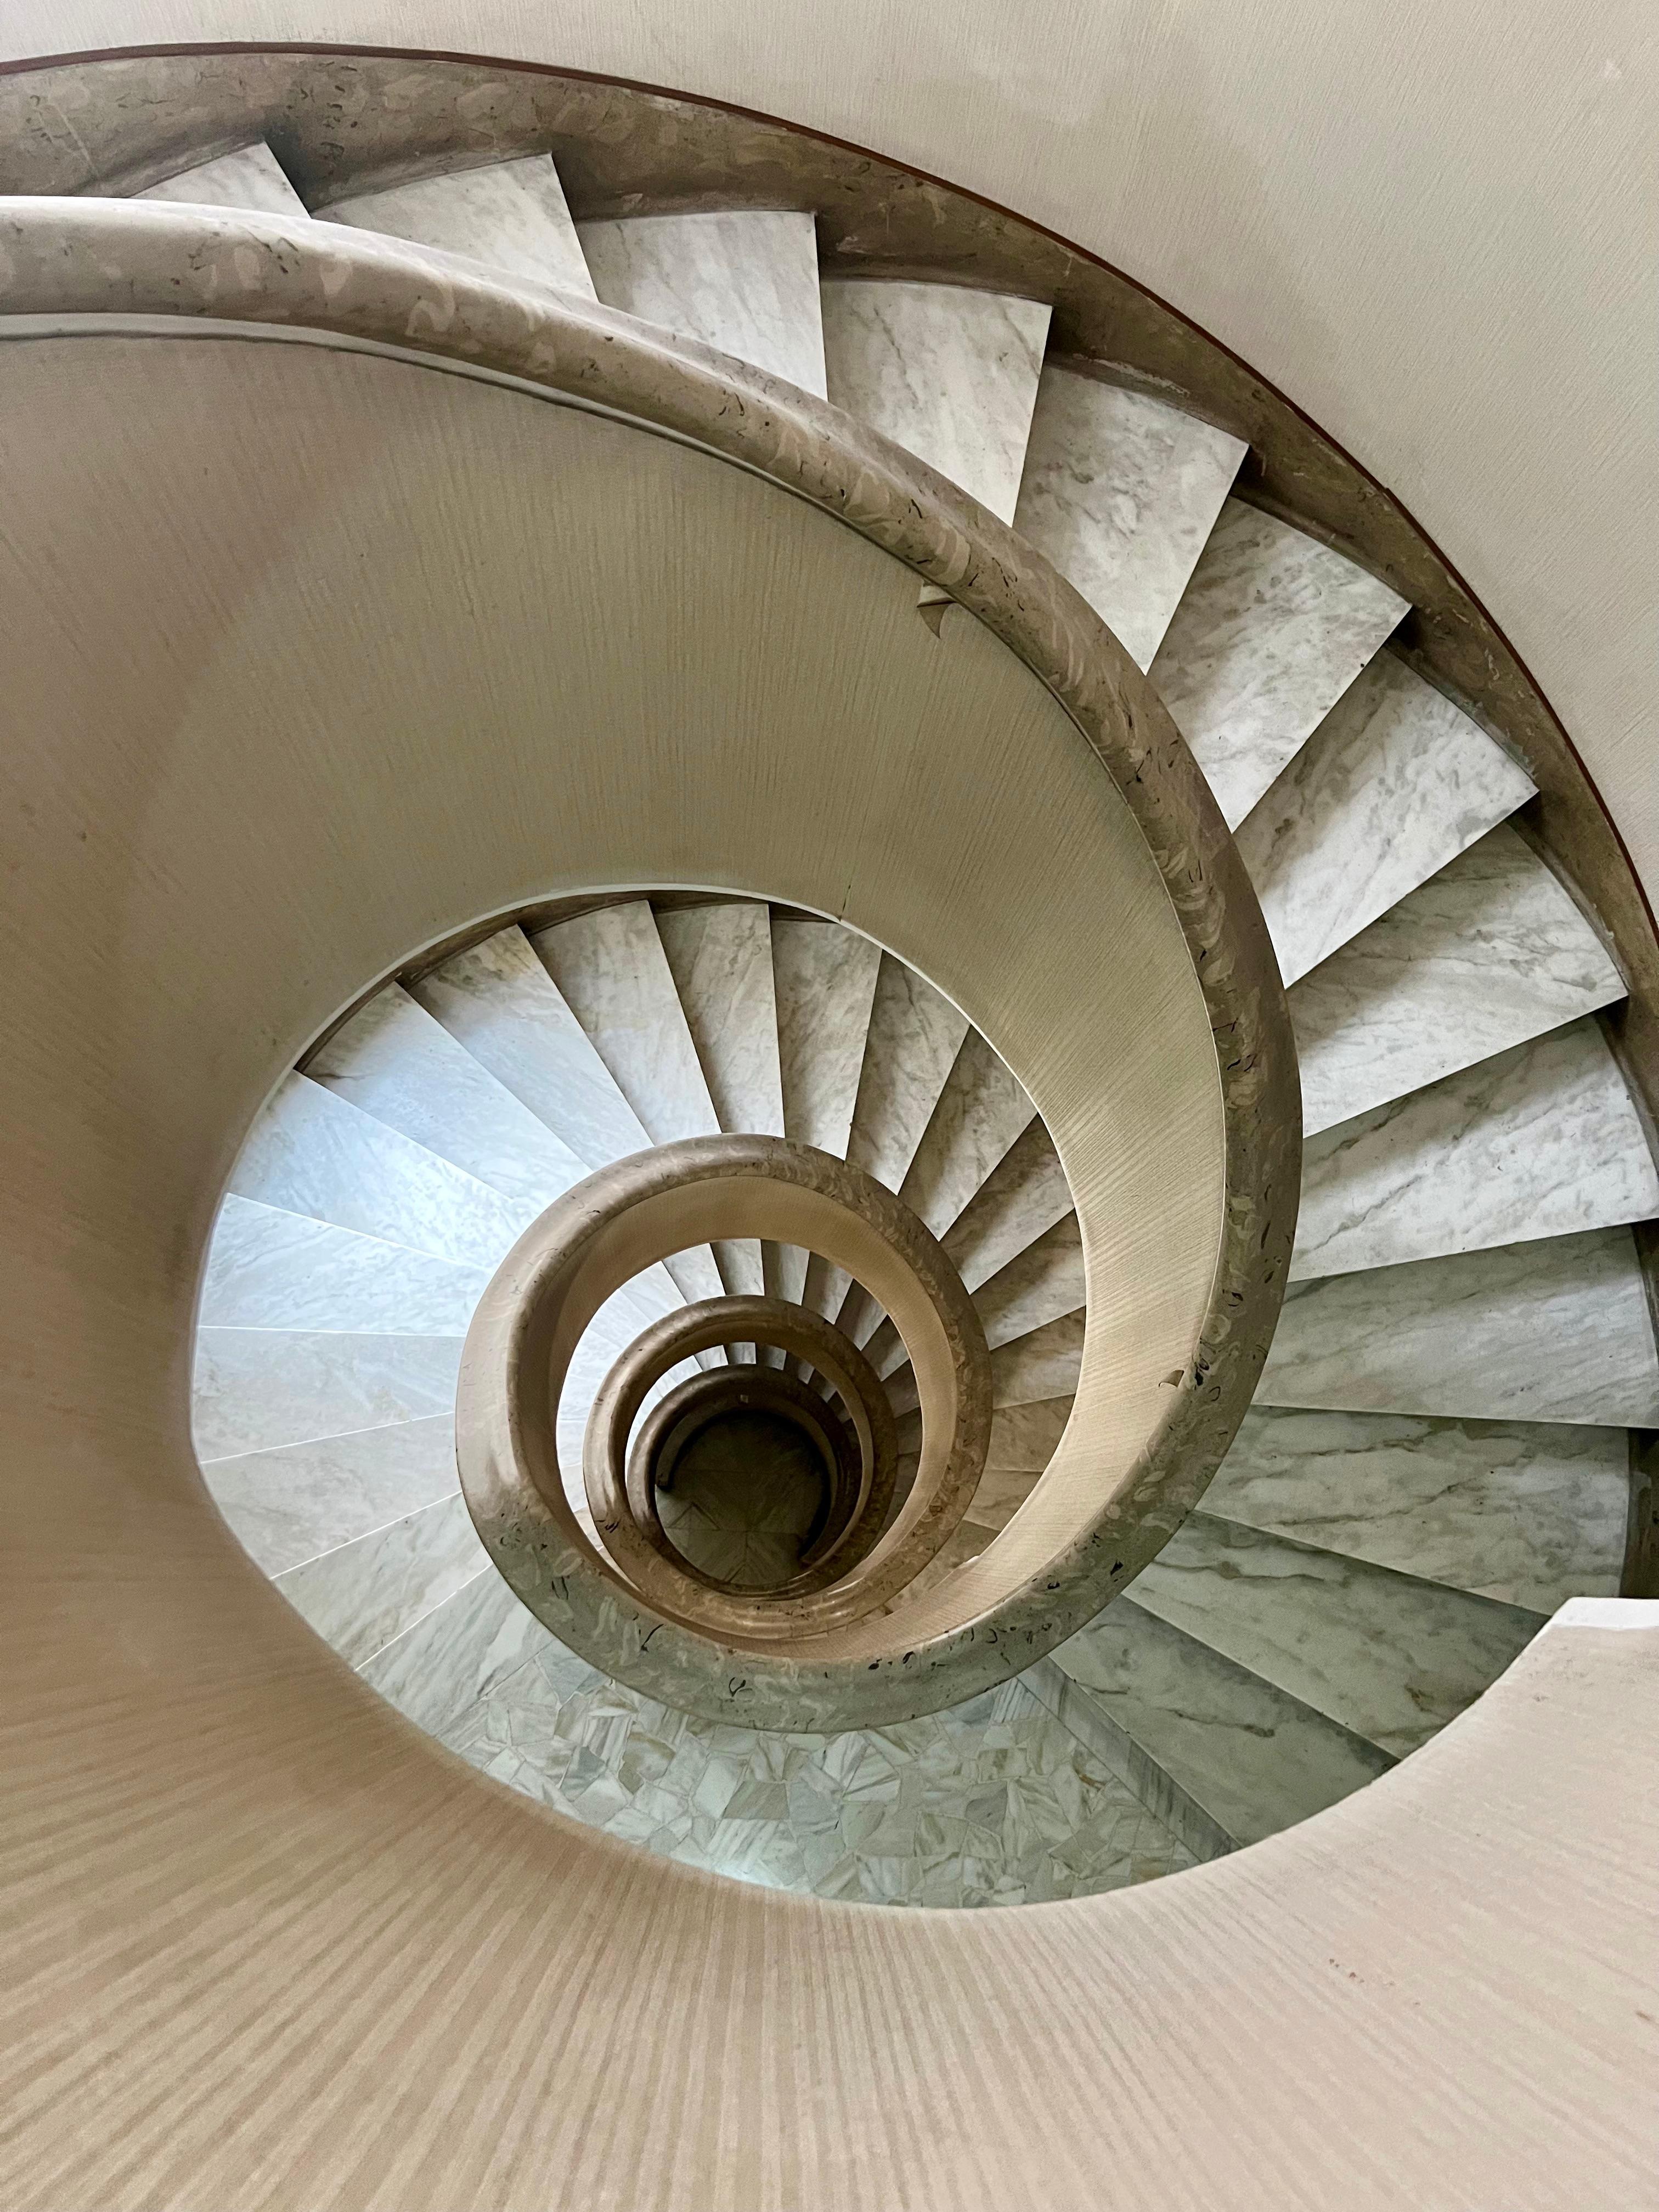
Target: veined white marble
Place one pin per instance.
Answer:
(292, 1503)
(1254, 1758)
(253, 1389)
(457, 1653)
(745, 280)
(362, 1594)
(1392, 1658)
(1490, 952)
(312, 1152)
(948, 373)
(982, 1109)
(1532, 1513)
(721, 960)
(1540, 1141)
(1556, 1330)
(1040, 1284)
(823, 982)
(1121, 492)
(1395, 783)
(271, 1269)
(1002, 1491)
(252, 178)
(511, 216)
(1024, 1437)
(1271, 631)
(1042, 1365)
(398, 1063)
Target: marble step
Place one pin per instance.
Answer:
(292, 1503)
(254, 1389)
(1488, 953)
(1395, 782)
(1272, 629)
(445, 1661)
(1121, 492)
(251, 178)
(1040, 1285)
(313, 1153)
(949, 373)
(745, 280)
(1388, 1656)
(1043, 1365)
(361, 1595)
(1527, 1512)
(1254, 1758)
(268, 1268)
(1557, 1330)
(510, 215)
(1540, 1141)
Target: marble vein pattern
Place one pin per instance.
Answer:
(1042, 1365)
(510, 215)
(252, 178)
(361, 1595)
(1121, 492)
(267, 1269)
(823, 984)
(1039, 1286)
(745, 280)
(1382, 1654)
(947, 373)
(1528, 1512)
(982, 1111)
(1490, 952)
(395, 1060)
(453, 1655)
(255, 1388)
(1024, 1436)
(1254, 1758)
(312, 1152)
(1552, 1330)
(995, 1802)
(1540, 1141)
(721, 960)
(1273, 628)
(290, 1504)
(1395, 782)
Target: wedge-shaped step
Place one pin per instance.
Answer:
(980, 1113)
(1541, 1141)
(720, 959)
(453, 1655)
(745, 280)
(254, 1388)
(312, 1152)
(1025, 1436)
(1271, 631)
(1043, 1365)
(293, 1502)
(251, 178)
(511, 216)
(1255, 1758)
(1044, 1282)
(1121, 492)
(1555, 1330)
(1380, 1653)
(272, 1269)
(363, 1594)
(1488, 953)
(950, 373)
(1395, 782)
(1527, 1512)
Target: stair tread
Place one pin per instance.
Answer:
(290, 1503)
(982, 1111)
(251, 178)
(363, 1593)
(509, 215)
(1121, 492)
(443, 1662)
(1488, 953)
(254, 1388)
(721, 960)
(1038, 1286)
(269, 1269)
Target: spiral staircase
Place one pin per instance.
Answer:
(1125, 1665)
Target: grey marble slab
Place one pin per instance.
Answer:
(290, 1504)
(1555, 1330)
(719, 958)
(1541, 1141)
(455, 1654)
(1255, 1758)
(1121, 492)
(1390, 1658)
(361, 1595)
(511, 216)
(1042, 1365)
(982, 1111)
(1088, 1718)
(1001, 1492)
(1395, 782)
(1025, 1436)
(1022, 1198)
(1272, 629)
(251, 1389)
(397, 1062)
(745, 280)
(1490, 952)
(1532, 1513)
(267, 1269)
(950, 373)
(312, 1152)
(1039, 1286)
(251, 178)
